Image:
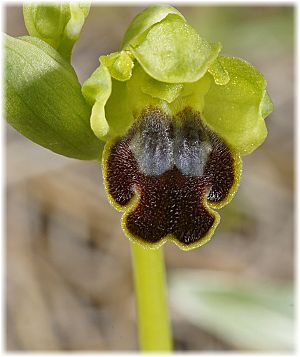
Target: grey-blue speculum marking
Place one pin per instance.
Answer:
(161, 143)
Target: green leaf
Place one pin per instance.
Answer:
(43, 99)
(57, 24)
(145, 20)
(236, 110)
(173, 52)
(249, 315)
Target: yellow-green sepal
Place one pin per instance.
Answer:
(145, 20)
(57, 24)
(43, 99)
(172, 51)
(236, 110)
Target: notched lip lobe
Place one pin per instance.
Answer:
(137, 190)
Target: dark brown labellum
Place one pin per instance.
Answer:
(176, 168)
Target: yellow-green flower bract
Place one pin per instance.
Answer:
(43, 99)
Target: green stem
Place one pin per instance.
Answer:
(151, 300)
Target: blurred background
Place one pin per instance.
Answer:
(69, 279)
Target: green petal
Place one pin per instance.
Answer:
(96, 91)
(266, 106)
(220, 75)
(43, 99)
(145, 20)
(118, 113)
(119, 65)
(173, 52)
(111, 115)
(236, 110)
(57, 24)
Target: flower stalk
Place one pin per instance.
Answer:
(151, 299)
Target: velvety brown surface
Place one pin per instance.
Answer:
(170, 203)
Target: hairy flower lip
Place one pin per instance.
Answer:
(170, 206)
